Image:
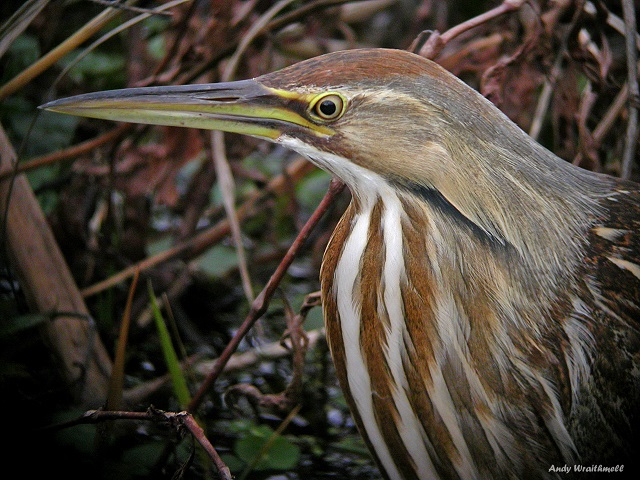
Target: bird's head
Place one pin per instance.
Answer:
(389, 112)
(381, 120)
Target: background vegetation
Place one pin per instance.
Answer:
(166, 275)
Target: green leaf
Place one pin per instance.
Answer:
(102, 70)
(170, 356)
(24, 51)
(159, 245)
(49, 132)
(352, 444)
(218, 260)
(233, 462)
(282, 455)
(266, 452)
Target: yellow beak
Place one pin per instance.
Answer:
(245, 106)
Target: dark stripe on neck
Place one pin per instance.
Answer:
(439, 203)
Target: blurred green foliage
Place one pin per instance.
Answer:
(256, 447)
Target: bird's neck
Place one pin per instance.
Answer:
(414, 289)
(518, 203)
(447, 269)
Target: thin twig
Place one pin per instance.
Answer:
(545, 95)
(198, 433)
(218, 150)
(128, 8)
(261, 303)
(435, 42)
(606, 123)
(299, 344)
(296, 343)
(256, 29)
(72, 42)
(175, 419)
(171, 51)
(116, 382)
(550, 82)
(228, 189)
(17, 23)
(115, 31)
(301, 12)
(634, 92)
(613, 21)
(68, 153)
(275, 24)
(238, 361)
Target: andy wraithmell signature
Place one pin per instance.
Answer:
(586, 468)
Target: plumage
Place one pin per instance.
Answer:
(481, 296)
(510, 305)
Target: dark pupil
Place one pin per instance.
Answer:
(328, 108)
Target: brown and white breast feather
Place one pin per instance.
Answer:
(481, 296)
(449, 372)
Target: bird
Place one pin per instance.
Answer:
(481, 296)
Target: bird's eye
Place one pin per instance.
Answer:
(329, 106)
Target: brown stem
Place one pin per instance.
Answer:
(198, 433)
(174, 419)
(116, 382)
(299, 345)
(436, 42)
(68, 153)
